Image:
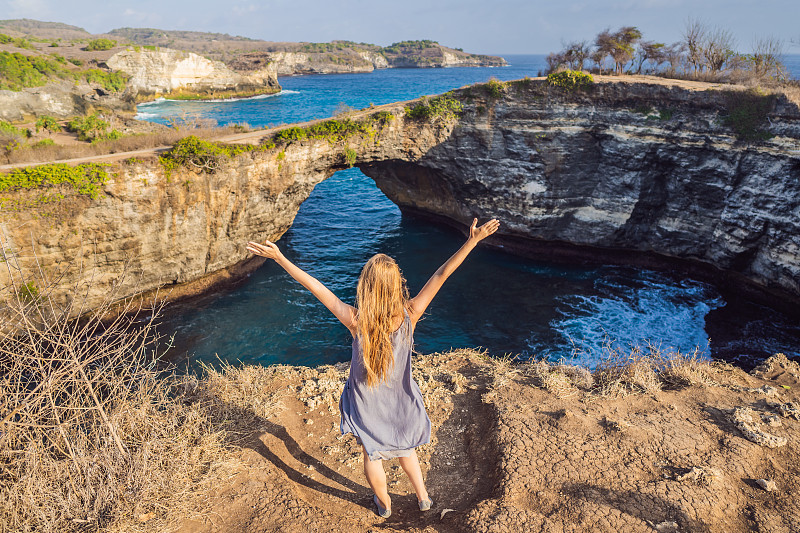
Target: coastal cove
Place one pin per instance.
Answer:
(566, 310)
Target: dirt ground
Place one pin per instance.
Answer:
(511, 452)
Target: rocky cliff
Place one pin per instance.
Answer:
(63, 99)
(165, 72)
(648, 172)
(626, 172)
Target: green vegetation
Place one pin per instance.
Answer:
(110, 81)
(92, 128)
(570, 80)
(396, 48)
(18, 71)
(350, 157)
(47, 123)
(334, 130)
(95, 45)
(444, 106)
(206, 156)
(665, 114)
(28, 293)
(495, 87)
(9, 130)
(87, 179)
(747, 113)
(19, 42)
(44, 142)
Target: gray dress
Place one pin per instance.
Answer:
(388, 419)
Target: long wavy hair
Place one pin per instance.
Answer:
(381, 296)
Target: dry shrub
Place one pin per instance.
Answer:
(235, 396)
(551, 378)
(620, 374)
(682, 370)
(91, 435)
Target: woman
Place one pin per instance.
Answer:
(381, 404)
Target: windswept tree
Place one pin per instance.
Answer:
(576, 53)
(649, 51)
(694, 35)
(623, 41)
(718, 49)
(604, 45)
(766, 61)
(555, 61)
(674, 56)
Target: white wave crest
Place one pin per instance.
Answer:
(630, 314)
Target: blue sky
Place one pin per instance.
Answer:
(499, 26)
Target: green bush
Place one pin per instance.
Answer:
(445, 107)
(88, 128)
(47, 123)
(111, 81)
(570, 79)
(18, 71)
(495, 87)
(290, 135)
(44, 142)
(195, 153)
(9, 130)
(100, 45)
(747, 113)
(87, 179)
(350, 157)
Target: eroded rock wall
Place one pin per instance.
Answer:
(619, 170)
(164, 71)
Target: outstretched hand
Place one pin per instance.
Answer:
(268, 249)
(479, 233)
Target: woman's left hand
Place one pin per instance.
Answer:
(269, 249)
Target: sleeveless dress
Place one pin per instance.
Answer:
(388, 419)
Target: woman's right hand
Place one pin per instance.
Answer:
(479, 233)
(268, 249)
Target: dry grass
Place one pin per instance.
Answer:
(130, 143)
(91, 435)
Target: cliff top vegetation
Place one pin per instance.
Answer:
(705, 53)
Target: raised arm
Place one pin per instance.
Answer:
(345, 313)
(421, 301)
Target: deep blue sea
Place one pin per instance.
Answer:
(500, 302)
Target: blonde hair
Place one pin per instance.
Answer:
(380, 297)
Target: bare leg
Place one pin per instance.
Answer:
(376, 478)
(411, 467)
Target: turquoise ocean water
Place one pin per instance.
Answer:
(503, 303)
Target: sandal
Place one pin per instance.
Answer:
(383, 513)
(425, 505)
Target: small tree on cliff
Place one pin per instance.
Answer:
(694, 34)
(604, 44)
(623, 42)
(649, 51)
(718, 49)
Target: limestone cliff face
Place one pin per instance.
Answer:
(61, 100)
(183, 231)
(165, 71)
(292, 63)
(622, 172)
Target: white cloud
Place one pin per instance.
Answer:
(27, 8)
